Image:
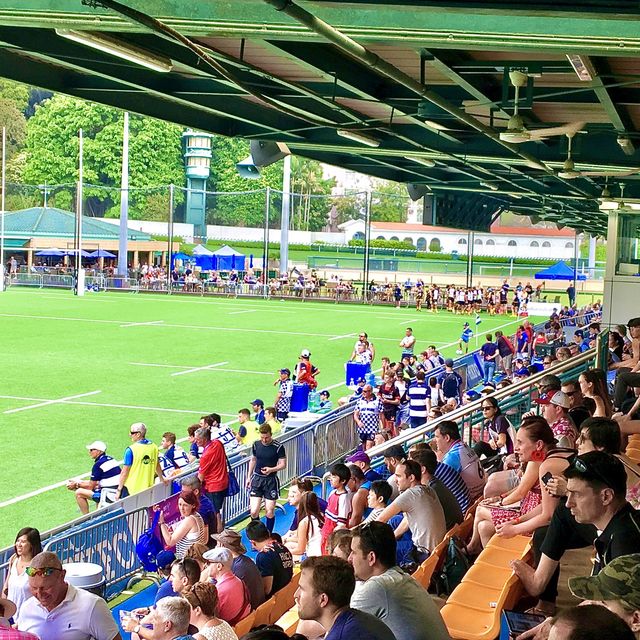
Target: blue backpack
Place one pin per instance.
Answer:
(148, 546)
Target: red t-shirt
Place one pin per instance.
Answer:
(213, 467)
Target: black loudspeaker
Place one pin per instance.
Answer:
(428, 210)
(247, 169)
(266, 153)
(417, 191)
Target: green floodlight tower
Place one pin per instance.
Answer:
(197, 163)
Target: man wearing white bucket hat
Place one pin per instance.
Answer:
(103, 482)
(7, 610)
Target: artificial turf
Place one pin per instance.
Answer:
(55, 345)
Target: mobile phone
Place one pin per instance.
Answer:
(546, 477)
(518, 623)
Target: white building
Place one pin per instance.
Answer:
(509, 242)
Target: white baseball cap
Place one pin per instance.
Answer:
(98, 445)
(305, 353)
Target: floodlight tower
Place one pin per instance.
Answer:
(197, 162)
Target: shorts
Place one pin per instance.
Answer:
(366, 436)
(282, 415)
(267, 487)
(417, 422)
(390, 414)
(217, 499)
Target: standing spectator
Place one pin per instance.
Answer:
(390, 398)
(453, 452)
(367, 416)
(450, 382)
(141, 463)
(305, 372)
(422, 510)
(221, 432)
(267, 458)
(273, 559)
(79, 614)
(363, 339)
(194, 450)
(16, 585)
(407, 343)
(213, 471)
(258, 410)
(324, 592)
(571, 294)
(506, 352)
(243, 566)
(249, 430)
(489, 352)
(283, 397)
(170, 621)
(418, 393)
(103, 481)
(387, 592)
(234, 602)
(338, 509)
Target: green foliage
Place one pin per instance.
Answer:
(389, 202)
(14, 98)
(309, 213)
(155, 156)
(384, 244)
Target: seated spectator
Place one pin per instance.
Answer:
(593, 384)
(103, 481)
(596, 513)
(297, 488)
(535, 446)
(359, 489)
(273, 559)
(563, 354)
(203, 601)
(234, 601)
(79, 614)
(577, 409)
(192, 484)
(170, 621)
(196, 552)
(457, 455)
(164, 560)
(338, 511)
(339, 543)
(428, 462)
(271, 420)
(308, 540)
(248, 431)
(188, 530)
(377, 500)
(324, 592)
(589, 622)
(243, 566)
(258, 410)
(555, 410)
(387, 592)
(422, 510)
(362, 460)
(325, 403)
(501, 433)
(174, 457)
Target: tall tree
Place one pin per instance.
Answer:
(311, 201)
(389, 202)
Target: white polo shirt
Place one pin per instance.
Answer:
(80, 616)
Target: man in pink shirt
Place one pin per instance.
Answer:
(8, 610)
(234, 601)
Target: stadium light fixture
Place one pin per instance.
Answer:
(358, 137)
(582, 66)
(113, 46)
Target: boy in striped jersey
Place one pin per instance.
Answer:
(418, 392)
(338, 509)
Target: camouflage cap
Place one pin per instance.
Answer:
(619, 580)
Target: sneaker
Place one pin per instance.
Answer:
(459, 352)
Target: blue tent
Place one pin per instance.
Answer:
(559, 271)
(226, 258)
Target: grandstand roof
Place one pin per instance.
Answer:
(56, 223)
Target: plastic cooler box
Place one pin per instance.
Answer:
(300, 397)
(356, 370)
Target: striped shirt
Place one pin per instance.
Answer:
(106, 472)
(451, 479)
(228, 439)
(418, 392)
(174, 458)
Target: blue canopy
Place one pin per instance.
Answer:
(101, 253)
(53, 252)
(559, 271)
(224, 259)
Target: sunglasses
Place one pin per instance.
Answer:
(133, 433)
(488, 408)
(582, 467)
(44, 571)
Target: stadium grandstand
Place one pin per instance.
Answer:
(467, 490)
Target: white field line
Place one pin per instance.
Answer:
(181, 366)
(208, 366)
(346, 335)
(142, 324)
(45, 403)
(235, 313)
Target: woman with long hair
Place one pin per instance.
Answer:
(203, 600)
(16, 585)
(310, 521)
(189, 529)
(500, 430)
(593, 385)
(536, 447)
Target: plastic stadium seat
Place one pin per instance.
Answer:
(497, 557)
(244, 626)
(465, 529)
(517, 544)
(284, 599)
(473, 596)
(486, 575)
(289, 621)
(263, 612)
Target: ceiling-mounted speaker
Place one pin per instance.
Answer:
(429, 210)
(247, 169)
(266, 153)
(417, 191)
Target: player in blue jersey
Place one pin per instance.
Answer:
(467, 333)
